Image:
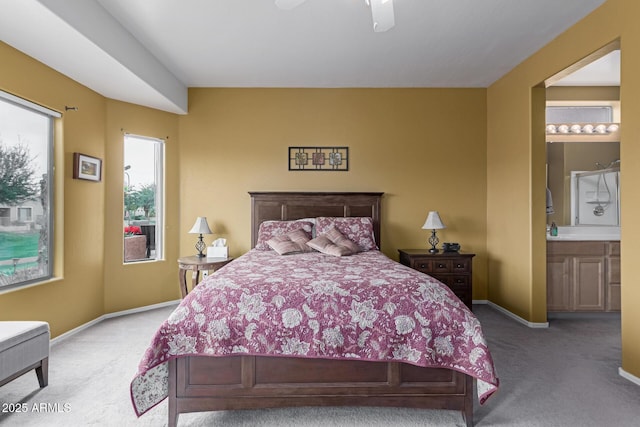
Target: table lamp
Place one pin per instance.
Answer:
(200, 227)
(433, 223)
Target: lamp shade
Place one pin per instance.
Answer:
(201, 226)
(433, 222)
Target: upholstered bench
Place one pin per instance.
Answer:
(24, 346)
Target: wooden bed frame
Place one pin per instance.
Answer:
(249, 382)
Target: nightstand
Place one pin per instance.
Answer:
(454, 269)
(195, 264)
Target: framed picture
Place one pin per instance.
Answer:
(87, 167)
(318, 158)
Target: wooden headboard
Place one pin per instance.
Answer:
(295, 205)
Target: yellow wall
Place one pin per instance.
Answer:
(515, 195)
(90, 279)
(141, 283)
(424, 148)
(583, 93)
(77, 296)
(475, 155)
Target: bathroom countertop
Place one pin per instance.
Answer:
(583, 233)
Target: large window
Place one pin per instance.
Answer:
(143, 198)
(26, 192)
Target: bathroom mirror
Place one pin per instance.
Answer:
(563, 158)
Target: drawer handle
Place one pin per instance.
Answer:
(423, 265)
(459, 265)
(440, 265)
(459, 280)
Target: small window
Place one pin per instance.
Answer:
(24, 214)
(143, 198)
(26, 191)
(580, 114)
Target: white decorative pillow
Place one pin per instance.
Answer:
(292, 242)
(270, 229)
(357, 229)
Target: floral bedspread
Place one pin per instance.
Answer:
(363, 306)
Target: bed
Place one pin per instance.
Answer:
(250, 371)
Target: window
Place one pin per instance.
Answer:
(26, 191)
(143, 198)
(580, 114)
(24, 214)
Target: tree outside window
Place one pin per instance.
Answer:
(26, 139)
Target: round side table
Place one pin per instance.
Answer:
(195, 264)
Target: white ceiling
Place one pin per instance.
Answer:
(601, 72)
(150, 51)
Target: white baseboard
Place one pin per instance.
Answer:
(59, 338)
(141, 309)
(516, 317)
(626, 375)
(480, 301)
(82, 327)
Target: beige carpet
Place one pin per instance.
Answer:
(562, 376)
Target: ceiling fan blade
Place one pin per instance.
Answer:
(382, 14)
(288, 4)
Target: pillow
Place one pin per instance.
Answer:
(326, 246)
(333, 243)
(357, 229)
(270, 229)
(292, 242)
(339, 239)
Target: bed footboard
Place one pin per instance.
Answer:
(247, 382)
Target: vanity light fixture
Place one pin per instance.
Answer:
(433, 223)
(577, 128)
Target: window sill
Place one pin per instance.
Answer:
(14, 288)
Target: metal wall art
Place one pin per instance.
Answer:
(318, 158)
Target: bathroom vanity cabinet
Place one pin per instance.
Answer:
(583, 276)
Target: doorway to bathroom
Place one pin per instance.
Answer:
(582, 132)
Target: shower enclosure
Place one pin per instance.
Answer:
(595, 197)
